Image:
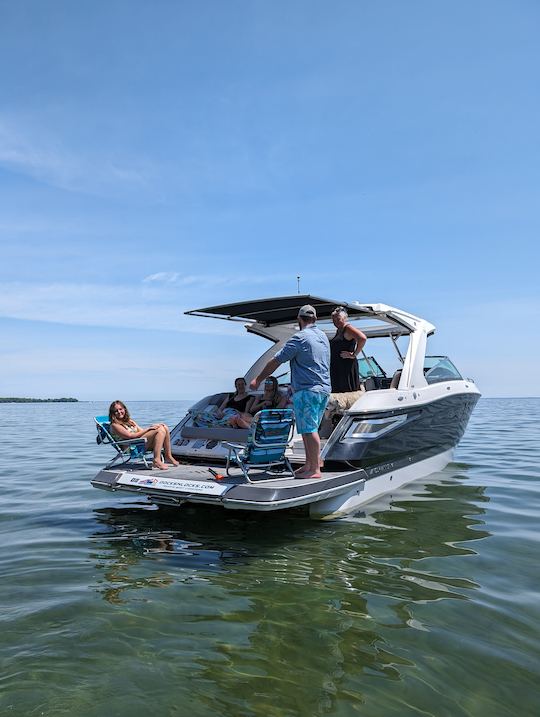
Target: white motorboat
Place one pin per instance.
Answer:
(402, 426)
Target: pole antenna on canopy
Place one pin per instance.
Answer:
(298, 283)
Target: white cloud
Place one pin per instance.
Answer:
(101, 305)
(106, 360)
(140, 372)
(215, 280)
(42, 156)
(156, 302)
(166, 277)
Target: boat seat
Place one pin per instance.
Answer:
(394, 383)
(216, 433)
(376, 383)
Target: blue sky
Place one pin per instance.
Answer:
(157, 157)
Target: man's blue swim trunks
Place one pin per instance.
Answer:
(308, 410)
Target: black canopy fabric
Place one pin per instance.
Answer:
(277, 310)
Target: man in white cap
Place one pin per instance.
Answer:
(309, 354)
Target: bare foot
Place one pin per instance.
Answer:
(160, 465)
(310, 475)
(172, 461)
(300, 470)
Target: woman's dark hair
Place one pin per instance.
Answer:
(275, 387)
(240, 378)
(127, 417)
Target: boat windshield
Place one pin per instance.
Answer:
(368, 367)
(283, 374)
(440, 368)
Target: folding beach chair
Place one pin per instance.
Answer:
(268, 438)
(126, 450)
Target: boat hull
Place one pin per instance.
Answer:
(377, 485)
(408, 442)
(414, 432)
(337, 494)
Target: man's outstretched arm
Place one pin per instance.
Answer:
(267, 370)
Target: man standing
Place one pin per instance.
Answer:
(309, 354)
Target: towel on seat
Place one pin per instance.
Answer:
(343, 401)
(337, 404)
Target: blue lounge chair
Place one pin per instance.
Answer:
(268, 438)
(130, 449)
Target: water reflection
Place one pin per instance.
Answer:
(296, 611)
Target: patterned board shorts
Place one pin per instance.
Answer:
(308, 410)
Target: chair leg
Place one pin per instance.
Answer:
(239, 464)
(289, 466)
(115, 460)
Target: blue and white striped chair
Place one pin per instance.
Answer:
(268, 438)
(127, 450)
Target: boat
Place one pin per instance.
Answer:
(402, 426)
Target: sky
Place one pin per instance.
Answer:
(165, 156)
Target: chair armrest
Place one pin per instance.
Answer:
(237, 446)
(131, 441)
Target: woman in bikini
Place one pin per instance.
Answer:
(157, 436)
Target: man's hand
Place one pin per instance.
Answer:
(267, 371)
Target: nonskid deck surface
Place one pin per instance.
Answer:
(261, 479)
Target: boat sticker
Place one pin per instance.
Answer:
(189, 486)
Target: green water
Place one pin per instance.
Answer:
(426, 603)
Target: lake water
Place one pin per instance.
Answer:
(427, 603)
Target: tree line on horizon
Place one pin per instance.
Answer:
(38, 400)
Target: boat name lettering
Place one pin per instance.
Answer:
(383, 468)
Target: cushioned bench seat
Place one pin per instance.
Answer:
(216, 433)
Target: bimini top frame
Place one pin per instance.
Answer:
(280, 311)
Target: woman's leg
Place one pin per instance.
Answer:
(167, 447)
(155, 441)
(243, 420)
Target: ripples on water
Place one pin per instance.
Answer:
(426, 603)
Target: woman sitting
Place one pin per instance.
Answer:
(270, 399)
(157, 436)
(232, 405)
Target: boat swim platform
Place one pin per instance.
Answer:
(188, 483)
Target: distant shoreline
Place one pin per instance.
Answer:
(39, 400)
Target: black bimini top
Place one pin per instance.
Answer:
(277, 310)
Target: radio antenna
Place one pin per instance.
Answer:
(298, 283)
